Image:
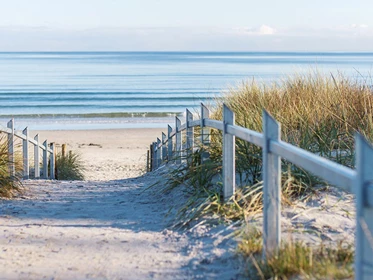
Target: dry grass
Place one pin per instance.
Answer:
(9, 185)
(317, 113)
(202, 184)
(69, 166)
(296, 260)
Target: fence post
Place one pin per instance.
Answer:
(364, 211)
(52, 159)
(63, 150)
(159, 152)
(271, 188)
(36, 157)
(12, 167)
(205, 133)
(26, 162)
(189, 136)
(147, 160)
(153, 156)
(45, 160)
(169, 139)
(178, 140)
(229, 172)
(164, 148)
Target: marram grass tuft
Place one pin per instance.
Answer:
(69, 166)
(295, 259)
(9, 185)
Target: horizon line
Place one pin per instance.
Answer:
(190, 51)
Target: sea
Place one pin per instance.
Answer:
(108, 90)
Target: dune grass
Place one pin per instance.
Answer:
(296, 259)
(9, 185)
(319, 113)
(69, 166)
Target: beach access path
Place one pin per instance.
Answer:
(106, 227)
(102, 230)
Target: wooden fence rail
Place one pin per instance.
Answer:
(48, 153)
(358, 181)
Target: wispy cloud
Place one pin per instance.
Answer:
(260, 30)
(266, 30)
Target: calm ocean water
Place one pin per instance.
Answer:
(129, 89)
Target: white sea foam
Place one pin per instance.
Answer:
(89, 123)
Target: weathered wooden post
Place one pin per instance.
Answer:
(155, 155)
(364, 209)
(229, 172)
(154, 158)
(178, 140)
(205, 133)
(271, 188)
(164, 148)
(169, 143)
(151, 156)
(26, 161)
(12, 167)
(52, 160)
(36, 157)
(189, 136)
(63, 150)
(45, 160)
(159, 152)
(147, 160)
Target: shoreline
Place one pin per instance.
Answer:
(96, 115)
(82, 123)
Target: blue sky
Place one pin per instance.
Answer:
(166, 25)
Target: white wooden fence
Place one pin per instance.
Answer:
(48, 153)
(358, 181)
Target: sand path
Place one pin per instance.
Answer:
(106, 227)
(101, 230)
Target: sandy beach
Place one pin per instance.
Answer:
(107, 154)
(111, 226)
